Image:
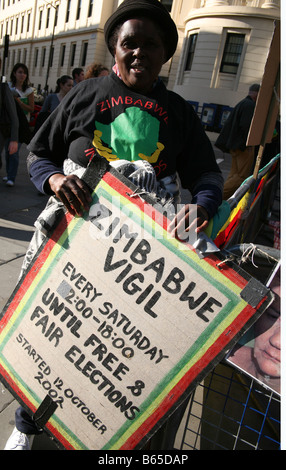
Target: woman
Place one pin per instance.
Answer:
(64, 85)
(128, 116)
(9, 123)
(23, 93)
(96, 70)
(133, 98)
(24, 99)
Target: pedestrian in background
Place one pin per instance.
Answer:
(21, 89)
(9, 123)
(24, 100)
(64, 85)
(77, 75)
(232, 139)
(52, 101)
(96, 70)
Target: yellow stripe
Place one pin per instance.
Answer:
(212, 271)
(42, 272)
(177, 246)
(221, 327)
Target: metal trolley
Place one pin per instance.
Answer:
(230, 411)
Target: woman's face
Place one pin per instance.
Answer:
(67, 86)
(103, 73)
(20, 76)
(139, 54)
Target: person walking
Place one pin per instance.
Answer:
(9, 123)
(24, 100)
(232, 139)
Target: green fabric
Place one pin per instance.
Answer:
(218, 221)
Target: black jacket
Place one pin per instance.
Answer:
(9, 123)
(104, 116)
(233, 135)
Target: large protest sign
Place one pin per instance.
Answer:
(114, 322)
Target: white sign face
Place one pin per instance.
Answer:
(116, 322)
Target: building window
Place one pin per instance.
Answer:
(90, 8)
(68, 11)
(84, 54)
(63, 52)
(13, 57)
(43, 56)
(36, 58)
(72, 56)
(48, 17)
(56, 15)
(40, 19)
(22, 23)
(232, 53)
(28, 21)
(192, 41)
(78, 9)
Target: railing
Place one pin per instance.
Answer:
(230, 411)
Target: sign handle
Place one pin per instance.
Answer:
(269, 116)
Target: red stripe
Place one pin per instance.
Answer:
(227, 271)
(34, 270)
(189, 377)
(144, 206)
(223, 236)
(25, 400)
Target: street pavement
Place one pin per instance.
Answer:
(19, 208)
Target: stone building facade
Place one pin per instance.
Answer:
(222, 49)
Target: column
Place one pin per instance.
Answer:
(271, 4)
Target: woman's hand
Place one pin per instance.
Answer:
(13, 147)
(72, 191)
(29, 108)
(190, 218)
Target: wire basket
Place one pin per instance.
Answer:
(230, 411)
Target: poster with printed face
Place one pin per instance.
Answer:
(115, 322)
(258, 353)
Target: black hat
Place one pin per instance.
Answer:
(152, 9)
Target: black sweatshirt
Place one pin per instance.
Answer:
(103, 115)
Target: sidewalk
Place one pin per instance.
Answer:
(19, 208)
